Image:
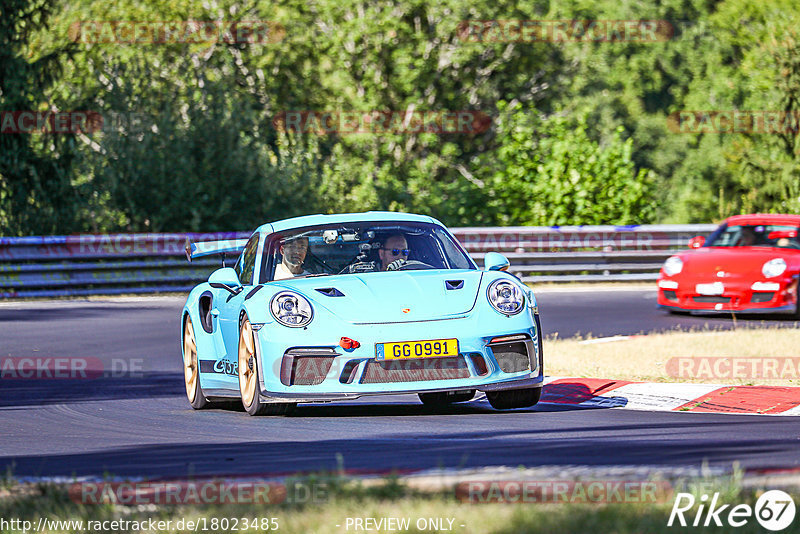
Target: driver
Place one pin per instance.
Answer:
(748, 237)
(294, 254)
(394, 248)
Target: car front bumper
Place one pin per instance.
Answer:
(348, 374)
(738, 296)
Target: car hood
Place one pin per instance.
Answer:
(391, 297)
(734, 261)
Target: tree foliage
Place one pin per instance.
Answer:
(550, 172)
(578, 134)
(36, 190)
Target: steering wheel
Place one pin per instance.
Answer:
(410, 265)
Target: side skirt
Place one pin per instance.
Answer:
(212, 394)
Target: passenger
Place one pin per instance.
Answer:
(294, 254)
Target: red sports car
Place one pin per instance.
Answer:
(749, 264)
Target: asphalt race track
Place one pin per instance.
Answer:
(140, 424)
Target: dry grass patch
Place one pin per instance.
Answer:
(766, 356)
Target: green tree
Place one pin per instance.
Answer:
(550, 172)
(747, 60)
(768, 165)
(36, 191)
(210, 158)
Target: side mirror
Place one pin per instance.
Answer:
(227, 279)
(495, 262)
(697, 241)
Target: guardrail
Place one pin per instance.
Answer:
(582, 253)
(151, 263)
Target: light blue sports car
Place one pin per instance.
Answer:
(335, 307)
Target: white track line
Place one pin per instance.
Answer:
(661, 396)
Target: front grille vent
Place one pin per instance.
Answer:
(414, 370)
(764, 296)
(513, 353)
(306, 366)
(711, 299)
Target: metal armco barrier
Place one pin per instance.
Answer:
(582, 253)
(151, 263)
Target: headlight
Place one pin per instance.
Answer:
(291, 309)
(505, 297)
(673, 266)
(774, 267)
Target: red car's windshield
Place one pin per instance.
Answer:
(755, 235)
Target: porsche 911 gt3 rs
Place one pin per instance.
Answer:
(335, 307)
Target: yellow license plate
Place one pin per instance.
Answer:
(432, 348)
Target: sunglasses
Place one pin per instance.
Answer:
(398, 251)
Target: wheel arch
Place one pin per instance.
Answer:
(257, 307)
(204, 339)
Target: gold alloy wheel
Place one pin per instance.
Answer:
(247, 374)
(190, 371)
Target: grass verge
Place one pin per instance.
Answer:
(647, 357)
(426, 511)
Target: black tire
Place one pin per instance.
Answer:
(248, 378)
(191, 368)
(678, 312)
(443, 398)
(514, 398)
(272, 408)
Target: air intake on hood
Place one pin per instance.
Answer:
(453, 284)
(330, 291)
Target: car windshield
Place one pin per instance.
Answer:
(755, 235)
(361, 248)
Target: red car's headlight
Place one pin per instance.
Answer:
(673, 266)
(774, 267)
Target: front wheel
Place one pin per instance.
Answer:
(191, 369)
(252, 400)
(514, 398)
